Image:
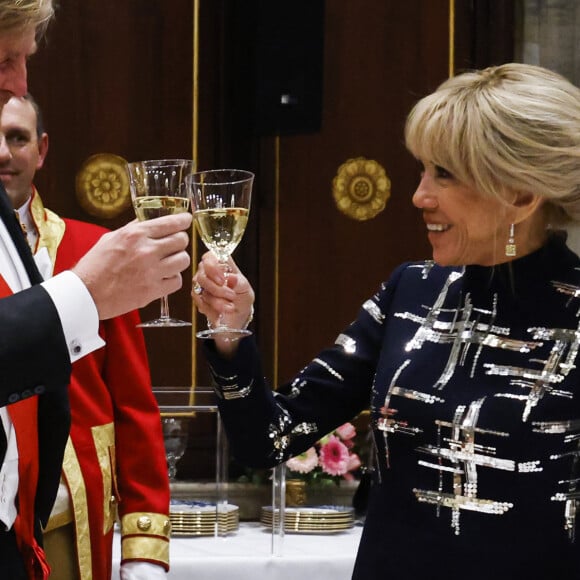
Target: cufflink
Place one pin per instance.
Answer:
(75, 347)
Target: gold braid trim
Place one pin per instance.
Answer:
(58, 520)
(145, 536)
(78, 492)
(104, 440)
(145, 524)
(50, 227)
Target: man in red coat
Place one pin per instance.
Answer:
(114, 460)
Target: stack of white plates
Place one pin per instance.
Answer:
(311, 519)
(196, 518)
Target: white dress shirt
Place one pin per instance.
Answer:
(80, 323)
(129, 570)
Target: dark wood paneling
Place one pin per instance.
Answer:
(485, 32)
(116, 77)
(379, 58)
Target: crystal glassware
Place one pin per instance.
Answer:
(221, 206)
(175, 439)
(158, 188)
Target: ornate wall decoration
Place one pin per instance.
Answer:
(361, 188)
(102, 185)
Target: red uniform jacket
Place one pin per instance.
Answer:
(115, 456)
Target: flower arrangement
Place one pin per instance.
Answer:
(330, 460)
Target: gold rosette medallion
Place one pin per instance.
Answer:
(102, 185)
(361, 188)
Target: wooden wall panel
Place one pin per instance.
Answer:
(484, 33)
(116, 77)
(379, 58)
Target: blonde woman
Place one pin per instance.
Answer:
(469, 362)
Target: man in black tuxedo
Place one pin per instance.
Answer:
(44, 326)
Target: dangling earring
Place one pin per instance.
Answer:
(510, 247)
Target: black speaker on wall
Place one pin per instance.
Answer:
(289, 54)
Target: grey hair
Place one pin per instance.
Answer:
(508, 128)
(19, 14)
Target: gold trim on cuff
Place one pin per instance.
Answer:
(145, 524)
(151, 549)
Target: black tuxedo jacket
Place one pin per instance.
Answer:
(34, 361)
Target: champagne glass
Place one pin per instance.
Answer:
(221, 205)
(175, 441)
(158, 188)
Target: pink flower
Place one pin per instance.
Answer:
(303, 463)
(346, 431)
(334, 456)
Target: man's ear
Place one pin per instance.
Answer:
(42, 150)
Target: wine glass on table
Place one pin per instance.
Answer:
(158, 188)
(221, 206)
(175, 441)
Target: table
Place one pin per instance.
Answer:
(247, 555)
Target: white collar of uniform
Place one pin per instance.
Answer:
(24, 214)
(41, 257)
(25, 217)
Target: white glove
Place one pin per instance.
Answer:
(142, 571)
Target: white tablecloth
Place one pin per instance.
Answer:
(248, 555)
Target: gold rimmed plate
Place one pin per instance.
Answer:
(200, 518)
(317, 530)
(312, 514)
(311, 519)
(317, 511)
(203, 528)
(202, 508)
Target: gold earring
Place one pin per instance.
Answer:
(510, 247)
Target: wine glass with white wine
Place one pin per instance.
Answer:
(221, 206)
(158, 188)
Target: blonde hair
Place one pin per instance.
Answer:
(513, 127)
(16, 15)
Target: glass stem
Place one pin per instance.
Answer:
(164, 308)
(226, 268)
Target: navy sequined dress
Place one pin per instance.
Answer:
(472, 381)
